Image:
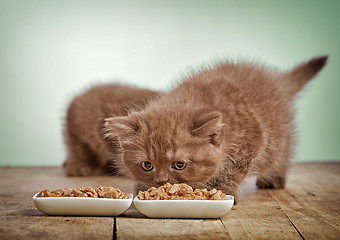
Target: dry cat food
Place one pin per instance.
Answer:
(180, 192)
(100, 192)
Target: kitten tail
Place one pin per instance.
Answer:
(300, 75)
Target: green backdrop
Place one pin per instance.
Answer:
(51, 50)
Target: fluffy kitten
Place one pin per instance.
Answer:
(214, 128)
(83, 129)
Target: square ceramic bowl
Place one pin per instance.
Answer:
(84, 206)
(184, 208)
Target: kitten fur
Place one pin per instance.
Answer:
(221, 124)
(86, 150)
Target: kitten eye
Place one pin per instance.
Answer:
(179, 165)
(147, 166)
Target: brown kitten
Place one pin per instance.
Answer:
(214, 128)
(83, 129)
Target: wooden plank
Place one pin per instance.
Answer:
(35, 179)
(19, 219)
(312, 200)
(49, 227)
(144, 228)
(258, 216)
(308, 208)
(133, 225)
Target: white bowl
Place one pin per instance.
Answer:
(82, 205)
(184, 208)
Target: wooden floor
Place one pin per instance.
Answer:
(309, 208)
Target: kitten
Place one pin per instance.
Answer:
(214, 128)
(83, 129)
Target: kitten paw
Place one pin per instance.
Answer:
(274, 183)
(76, 168)
(236, 198)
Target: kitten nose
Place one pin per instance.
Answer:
(162, 181)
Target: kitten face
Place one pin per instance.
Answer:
(155, 153)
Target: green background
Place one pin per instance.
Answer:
(51, 50)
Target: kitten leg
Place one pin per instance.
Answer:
(229, 185)
(80, 160)
(275, 177)
(233, 192)
(275, 181)
(227, 189)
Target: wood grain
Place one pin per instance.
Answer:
(19, 219)
(144, 228)
(259, 217)
(48, 227)
(311, 200)
(309, 208)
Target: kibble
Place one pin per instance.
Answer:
(100, 192)
(180, 191)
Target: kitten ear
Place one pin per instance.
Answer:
(299, 76)
(208, 123)
(119, 127)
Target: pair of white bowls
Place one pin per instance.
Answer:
(84, 206)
